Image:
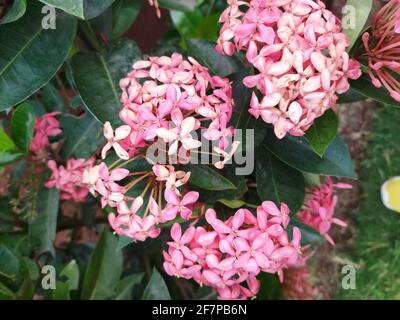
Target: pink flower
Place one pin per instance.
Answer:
(114, 139)
(176, 205)
(45, 127)
(382, 44)
(319, 210)
(298, 52)
(69, 179)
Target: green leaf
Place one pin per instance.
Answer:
(31, 55)
(68, 281)
(323, 132)
(351, 96)
(308, 234)
(84, 9)
(206, 178)
(195, 25)
(297, 153)
(124, 241)
(204, 52)
(15, 11)
(9, 263)
(241, 118)
(52, 100)
(104, 268)
(6, 293)
(156, 288)
(124, 14)
(42, 230)
(22, 123)
(364, 86)
(97, 78)
(362, 10)
(123, 289)
(278, 182)
(8, 150)
(84, 136)
(271, 288)
(180, 5)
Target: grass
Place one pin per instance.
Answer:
(377, 245)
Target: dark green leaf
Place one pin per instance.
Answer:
(124, 13)
(22, 123)
(84, 9)
(297, 153)
(241, 118)
(8, 150)
(6, 293)
(68, 281)
(206, 178)
(278, 182)
(124, 241)
(30, 55)
(204, 52)
(42, 229)
(271, 288)
(323, 132)
(156, 288)
(15, 11)
(52, 100)
(181, 5)
(9, 263)
(365, 87)
(97, 78)
(83, 136)
(124, 287)
(351, 96)
(104, 268)
(308, 234)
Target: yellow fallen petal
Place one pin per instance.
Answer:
(390, 193)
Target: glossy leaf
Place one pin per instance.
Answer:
(351, 96)
(124, 287)
(124, 241)
(15, 11)
(84, 9)
(278, 182)
(365, 87)
(30, 55)
(104, 268)
(156, 288)
(361, 9)
(297, 153)
(22, 126)
(68, 281)
(181, 5)
(241, 118)
(97, 77)
(124, 13)
(83, 136)
(308, 234)
(204, 52)
(206, 178)
(6, 293)
(9, 152)
(52, 100)
(323, 132)
(9, 263)
(42, 230)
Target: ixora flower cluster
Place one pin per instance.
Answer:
(382, 44)
(231, 254)
(299, 54)
(45, 127)
(165, 101)
(319, 208)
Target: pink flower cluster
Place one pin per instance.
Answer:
(45, 127)
(319, 210)
(299, 54)
(163, 181)
(298, 284)
(382, 44)
(168, 99)
(69, 179)
(230, 254)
